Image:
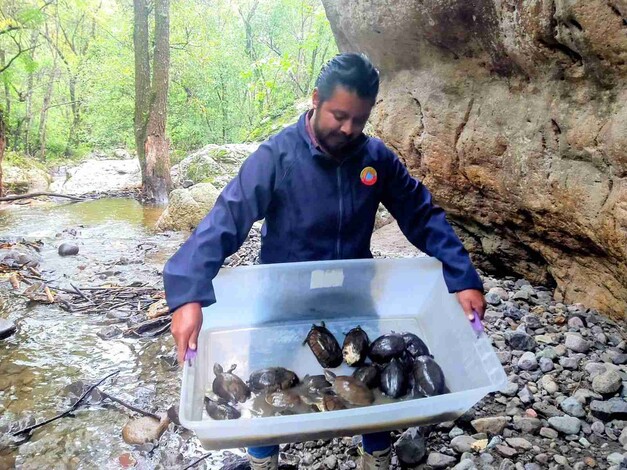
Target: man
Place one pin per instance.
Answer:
(318, 185)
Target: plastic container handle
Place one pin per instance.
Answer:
(476, 323)
(190, 354)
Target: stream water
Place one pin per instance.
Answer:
(53, 348)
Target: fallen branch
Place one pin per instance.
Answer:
(197, 461)
(129, 406)
(30, 429)
(31, 195)
(78, 291)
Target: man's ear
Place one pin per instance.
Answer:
(315, 99)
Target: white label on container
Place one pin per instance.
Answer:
(321, 278)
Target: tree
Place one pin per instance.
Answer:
(153, 147)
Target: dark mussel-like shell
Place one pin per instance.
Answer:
(272, 379)
(316, 383)
(220, 410)
(386, 347)
(414, 345)
(324, 346)
(368, 375)
(355, 347)
(229, 386)
(393, 382)
(428, 379)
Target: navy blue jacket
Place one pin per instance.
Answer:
(315, 208)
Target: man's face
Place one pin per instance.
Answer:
(339, 120)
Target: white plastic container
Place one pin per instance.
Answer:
(263, 314)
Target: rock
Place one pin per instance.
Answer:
(590, 462)
(582, 395)
(615, 458)
(548, 353)
(492, 425)
(462, 444)
(575, 322)
(389, 241)
(546, 364)
(330, 462)
(506, 451)
(521, 341)
(598, 427)
(572, 407)
(437, 460)
(623, 438)
(455, 432)
(565, 424)
(519, 443)
(607, 383)
(479, 445)
(492, 299)
(20, 180)
(510, 389)
(158, 309)
(215, 164)
(548, 384)
(549, 433)
(528, 361)
(614, 408)
(569, 363)
(500, 292)
(465, 465)
(545, 339)
(68, 249)
(99, 176)
(410, 447)
(307, 459)
(525, 395)
(7, 328)
(527, 425)
(109, 332)
(460, 147)
(188, 207)
(145, 429)
(561, 460)
(546, 409)
(575, 342)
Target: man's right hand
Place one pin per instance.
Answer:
(186, 324)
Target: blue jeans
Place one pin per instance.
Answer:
(374, 442)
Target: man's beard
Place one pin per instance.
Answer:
(330, 141)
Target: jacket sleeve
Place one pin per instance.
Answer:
(188, 274)
(425, 226)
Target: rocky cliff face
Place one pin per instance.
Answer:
(514, 114)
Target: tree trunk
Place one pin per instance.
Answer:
(142, 80)
(29, 99)
(72, 141)
(44, 113)
(7, 95)
(3, 144)
(151, 101)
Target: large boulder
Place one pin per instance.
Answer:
(513, 114)
(187, 207)
(20, 180)
(100, 176)
(215, 164)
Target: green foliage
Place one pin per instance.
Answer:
(236, 69)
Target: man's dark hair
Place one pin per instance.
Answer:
(354, 72)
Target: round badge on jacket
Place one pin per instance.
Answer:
(368, 176)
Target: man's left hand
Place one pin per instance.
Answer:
(472, 299)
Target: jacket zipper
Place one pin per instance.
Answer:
(338, 245)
